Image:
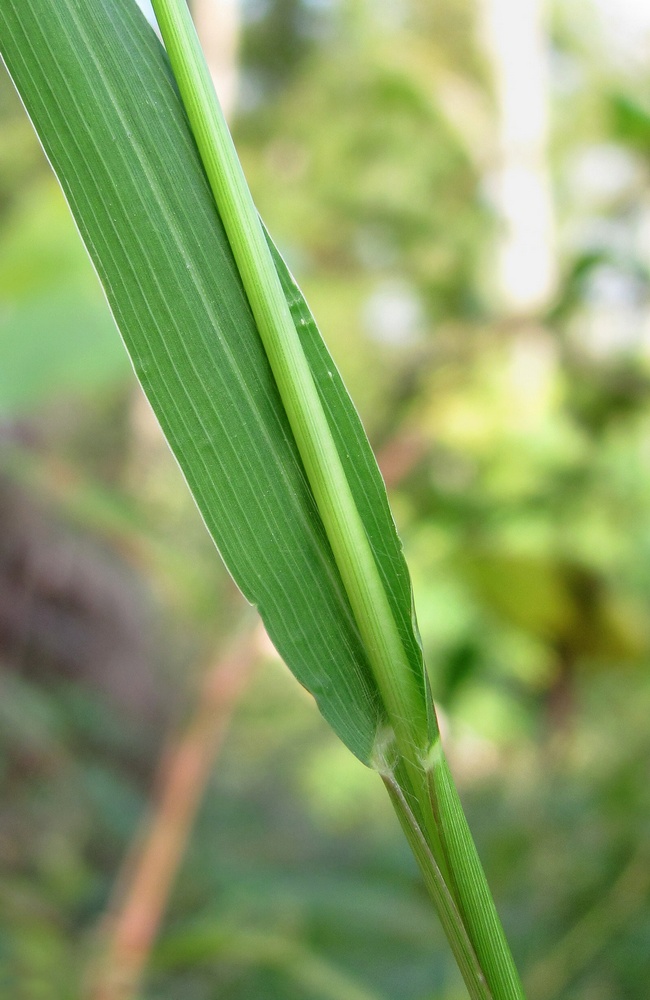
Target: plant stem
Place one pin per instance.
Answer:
(439, 891)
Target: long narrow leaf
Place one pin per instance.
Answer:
(308, 538)
(102, 98)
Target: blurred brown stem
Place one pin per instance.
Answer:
(143, 887)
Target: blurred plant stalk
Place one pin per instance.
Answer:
(142, 890)
(551, 975)
(296, 961)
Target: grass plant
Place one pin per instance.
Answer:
(252, 405)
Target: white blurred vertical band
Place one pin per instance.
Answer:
(516, 45)
(217, 25)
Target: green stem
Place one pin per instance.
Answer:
(469, 884)
(446, 906)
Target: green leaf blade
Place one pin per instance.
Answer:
(99, 89)
(103, 101)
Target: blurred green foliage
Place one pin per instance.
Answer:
(518, 448)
